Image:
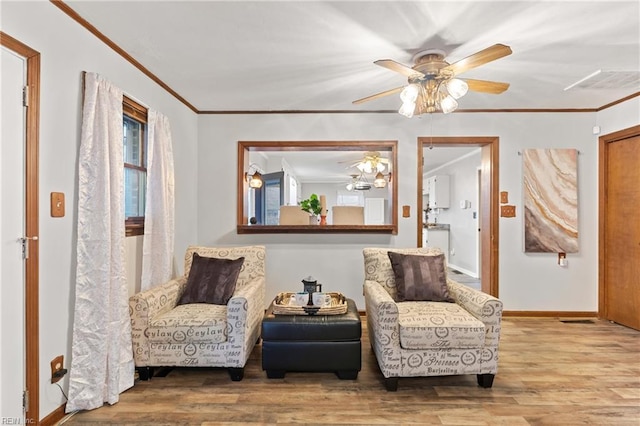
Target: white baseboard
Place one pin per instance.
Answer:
(464, 271)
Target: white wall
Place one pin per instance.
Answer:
(529, 282)
(66, 50)
(619, 117)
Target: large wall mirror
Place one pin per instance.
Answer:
(354, 181)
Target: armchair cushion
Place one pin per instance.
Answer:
(191, 323)
(211, 280)
(438, 325)
(419, 278)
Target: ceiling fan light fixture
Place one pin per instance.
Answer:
(410, 93)
(407, 109)
(365, 167)
(457, 88)
(448, 104)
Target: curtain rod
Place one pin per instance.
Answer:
(133, 98)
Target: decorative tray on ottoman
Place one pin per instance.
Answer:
(282, 305)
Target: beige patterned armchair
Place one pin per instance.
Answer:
(420, 338)
(200, 335)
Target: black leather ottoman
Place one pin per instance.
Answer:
(312, 343)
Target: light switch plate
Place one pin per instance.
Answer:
(57, 204)
(504, 197)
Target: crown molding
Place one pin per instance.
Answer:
(93, 30)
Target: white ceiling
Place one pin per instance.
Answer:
(318, 55)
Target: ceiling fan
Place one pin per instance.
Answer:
(371, 162)
(433, 83)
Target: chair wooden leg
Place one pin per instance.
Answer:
(236, 374)
(485, 380)
(391, 383)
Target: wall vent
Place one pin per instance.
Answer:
(606, 80)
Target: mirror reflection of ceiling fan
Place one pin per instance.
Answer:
(372, 162)
(433, 83)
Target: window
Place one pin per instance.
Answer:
(135, 165)
(349, 198)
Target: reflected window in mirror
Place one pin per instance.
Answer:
(341, 173)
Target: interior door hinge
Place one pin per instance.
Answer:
(25, 96)
(25, 400)
(25, 245)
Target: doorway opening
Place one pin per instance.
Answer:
(488, 201)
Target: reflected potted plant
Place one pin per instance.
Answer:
(312, 206)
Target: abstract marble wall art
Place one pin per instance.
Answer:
(550, 200)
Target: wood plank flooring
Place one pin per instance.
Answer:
(550, 373)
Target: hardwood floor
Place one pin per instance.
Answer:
(550, 373)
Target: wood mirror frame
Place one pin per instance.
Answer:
(246, 147)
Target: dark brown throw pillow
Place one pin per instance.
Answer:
(419, 278)
(211, 280)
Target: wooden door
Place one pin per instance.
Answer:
(620, 238)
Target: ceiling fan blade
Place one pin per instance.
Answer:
(484, 86)
(482, 57)
(398, 67)
(379, 95)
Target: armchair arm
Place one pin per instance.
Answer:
(383, 327)
(245, 311)
(145, 306)
(483, 306)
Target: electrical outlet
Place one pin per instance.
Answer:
(57, 368)
(562, 259)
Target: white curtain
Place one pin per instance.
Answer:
(157, 247)
(101, 355)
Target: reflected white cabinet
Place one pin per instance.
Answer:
(437, 238)
(374, 211)
(438, 189)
